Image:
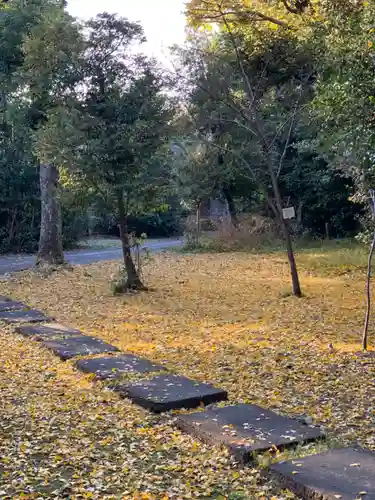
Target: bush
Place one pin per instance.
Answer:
(253, 233)
(75, 224)
(155, 225)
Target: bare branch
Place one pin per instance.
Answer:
(292, 122)
(248, 85)
(241, 125)
(286, 145)
(253, 15)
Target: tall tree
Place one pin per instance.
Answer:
(195, 176)
(114, 132)
(51, 52)
(39, 41)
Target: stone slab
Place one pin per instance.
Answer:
(244, 429)
(12, 305)
(78, 346)
(47, 330)
(5, 300)
(113, 367)
(170, 392)
(344, 473)
(22, 316)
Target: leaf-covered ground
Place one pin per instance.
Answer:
(225, 319)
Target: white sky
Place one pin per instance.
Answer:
(162, 20)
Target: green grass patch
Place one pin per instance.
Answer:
(336, 256)
(340, 257)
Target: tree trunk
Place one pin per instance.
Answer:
(231, 205)
(292, 261)
(50, 249)
(133, 281)
(198, 221)
(12, 226)
(368, 296)
(296, 288)
(368, 280)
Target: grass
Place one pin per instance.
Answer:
(320, 256)
(336, 256)
(223, 318)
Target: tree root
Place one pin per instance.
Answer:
(125, 286)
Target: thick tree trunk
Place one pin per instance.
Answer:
(133, 281)
(50, 242)
(231, 205)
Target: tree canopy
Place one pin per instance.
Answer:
(270, 105)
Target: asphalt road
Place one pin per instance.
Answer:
(12, 263)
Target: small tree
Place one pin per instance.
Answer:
(195, 177)
(253, 107)
(368, 277)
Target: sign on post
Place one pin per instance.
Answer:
(289, 213)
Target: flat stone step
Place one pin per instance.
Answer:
(113, 367)
(23, 316)
(5, 299)
(12, 305)
(47, 330)
(78, 346)
(245, 428)
(170, 392)
(343, 474)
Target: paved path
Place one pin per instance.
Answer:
(12, 263)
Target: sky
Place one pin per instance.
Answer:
(162, 20)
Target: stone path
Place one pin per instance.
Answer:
(170, 392)
(244, 429)
(23, 316)
(11, 305)
(78, 346)
(47, 331)
(115, 366)
(346, 473)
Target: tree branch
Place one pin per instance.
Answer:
(287, 142)
(202, 15)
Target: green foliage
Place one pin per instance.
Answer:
(99, 110)
(344, 102)
(113, 134)
(39, 43)
(195, 174)
(286, 72)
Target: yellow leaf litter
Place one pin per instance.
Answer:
(223, 319)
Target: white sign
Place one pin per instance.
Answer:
(289, 213)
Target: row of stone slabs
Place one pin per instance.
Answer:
(346, 473)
